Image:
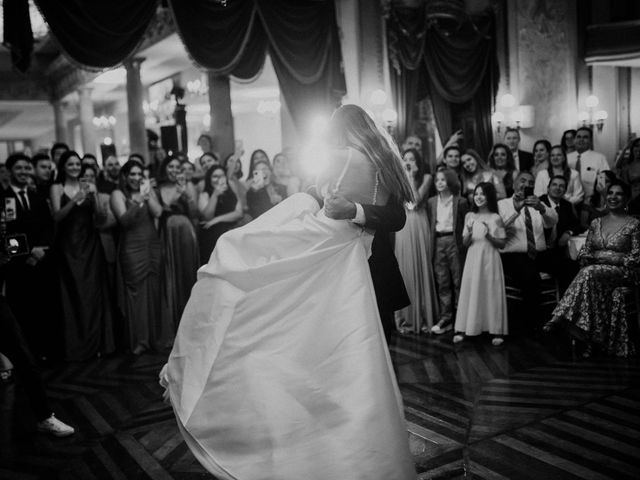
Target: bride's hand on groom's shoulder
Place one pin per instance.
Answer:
(339, 208)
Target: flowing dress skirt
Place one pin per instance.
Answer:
(280, 369)
(482, 306)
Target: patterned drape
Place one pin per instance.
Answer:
(455, 66)
(231, 39)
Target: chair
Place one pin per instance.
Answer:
(549, 295)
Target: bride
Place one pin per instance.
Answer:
(280, 369)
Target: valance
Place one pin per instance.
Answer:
(455, 65)
(228, 38)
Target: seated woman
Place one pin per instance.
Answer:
(610, 258)
(476, 171)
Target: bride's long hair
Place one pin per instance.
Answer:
(351, 126)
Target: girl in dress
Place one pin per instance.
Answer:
(483, 305)
(413, 251)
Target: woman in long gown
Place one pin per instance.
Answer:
(610, 259)
(88, 328)
(280, 368)
(483, 305)
(413, 251)
(181, 255)
(219, 207)
(139, 255)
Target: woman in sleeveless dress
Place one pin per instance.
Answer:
(280, 368)
(220, 209)
(88, 328)
(413, 251)
(139, 255)
(181, 256)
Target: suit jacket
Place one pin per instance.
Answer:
(388, 284)
(460, 209)
(391, 294)
(567, 219)
(36, 223)
(526, 160)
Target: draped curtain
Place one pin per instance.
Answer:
(457, 67)
(231, 39)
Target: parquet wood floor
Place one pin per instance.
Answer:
(473, 411)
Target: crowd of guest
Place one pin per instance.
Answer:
(479, 226)
(113, 250)
(105, 258)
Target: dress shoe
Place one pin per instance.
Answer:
(55, 427)
(440, 329)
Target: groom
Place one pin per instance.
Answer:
(390, 291)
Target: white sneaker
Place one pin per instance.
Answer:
(439, 330)
(55, 427)
(497, 341)
(458, 338)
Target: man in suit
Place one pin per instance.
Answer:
(525, 219)
(391, 293)
(555, 259)
(29, 276)
(523, 160)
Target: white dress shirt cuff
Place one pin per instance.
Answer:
(360, 219)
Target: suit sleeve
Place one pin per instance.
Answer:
(390, 217)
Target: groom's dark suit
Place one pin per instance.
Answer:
(391, 294)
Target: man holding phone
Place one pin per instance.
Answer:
(525, 218)
(28, 272)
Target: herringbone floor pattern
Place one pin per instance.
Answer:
(473, 411)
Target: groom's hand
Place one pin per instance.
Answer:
(339, 208)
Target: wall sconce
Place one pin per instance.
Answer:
(510, 114)
(592, 117)
(498, 119)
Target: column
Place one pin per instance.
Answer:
(221, 129)
(86, 119)
(135, 97)
(59, 121)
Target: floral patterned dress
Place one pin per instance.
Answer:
(591, 305)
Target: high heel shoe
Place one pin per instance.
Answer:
(554, 324)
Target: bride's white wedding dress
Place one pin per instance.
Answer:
(280, 368)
